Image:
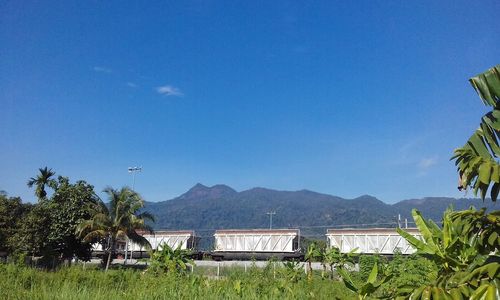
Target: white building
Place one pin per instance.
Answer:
(257, 240)
(185, 239)
(371, 241)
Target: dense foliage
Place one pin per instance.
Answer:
(66, 210)
(47, 228)
(12, 210)
(466, 252)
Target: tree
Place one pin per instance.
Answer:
(12, 211)
(34, 227)
(477, 160)
(68, 207)
(41, 181)
(120, 220)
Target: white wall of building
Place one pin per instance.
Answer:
(255, 242)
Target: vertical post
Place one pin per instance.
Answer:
(126, 251)
(406, 223)
(218, 269)
(133, 181)
(271, 213)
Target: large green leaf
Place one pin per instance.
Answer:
(476, 160)
(424, 230)
(418, 244)
(373, 274)
(347, 280)
(487, 85)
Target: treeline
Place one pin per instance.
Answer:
(65, 225)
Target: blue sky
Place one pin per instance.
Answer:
(340, 97)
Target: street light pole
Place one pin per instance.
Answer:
(271, 213)
(134, 170)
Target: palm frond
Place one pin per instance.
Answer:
(147, 216)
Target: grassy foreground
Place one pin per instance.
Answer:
(77, 283)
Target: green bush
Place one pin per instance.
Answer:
(409, 271)
(366, 263)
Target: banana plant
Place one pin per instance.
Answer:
(313, 253)
(170, 260)
(369, 287)
(477, 160)
(336, 260)
(292, 271)
(466, 251)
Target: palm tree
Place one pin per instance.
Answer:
(41, 181)
(118, 220)
(477, 160)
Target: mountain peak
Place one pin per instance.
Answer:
(202, 191)
(198, 187)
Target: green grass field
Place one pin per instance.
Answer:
(77, 283)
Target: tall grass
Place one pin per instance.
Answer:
(17, 282)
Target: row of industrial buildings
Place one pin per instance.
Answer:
(280, 243)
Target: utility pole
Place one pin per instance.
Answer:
(134, 170)
(270, 213)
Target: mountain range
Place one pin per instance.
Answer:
(205, 209)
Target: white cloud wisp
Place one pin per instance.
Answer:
(168, 90)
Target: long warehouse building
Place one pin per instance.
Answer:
(371, 241)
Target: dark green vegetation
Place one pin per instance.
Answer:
(47, 228)
(219, 207)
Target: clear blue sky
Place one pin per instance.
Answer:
(341, 97)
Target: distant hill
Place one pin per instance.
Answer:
(205, 209)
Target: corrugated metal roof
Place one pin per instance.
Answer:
(257, 231)
(369, 231)
(169, 232)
